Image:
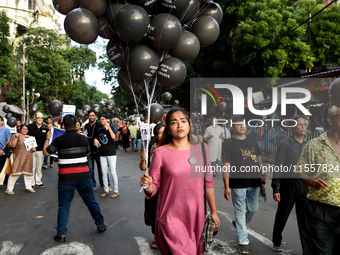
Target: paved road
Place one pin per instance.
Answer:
(28, 221)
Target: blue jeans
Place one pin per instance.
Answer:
(90, 160)
(111, 161)
(246, 204)
(134, 144)
(46, 160)
(65, 197)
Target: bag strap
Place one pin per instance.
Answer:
(205, 164)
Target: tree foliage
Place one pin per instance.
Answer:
(54, 72)
(6, 64)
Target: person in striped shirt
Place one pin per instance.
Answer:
(73, 174)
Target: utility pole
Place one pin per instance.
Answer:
(23, 83)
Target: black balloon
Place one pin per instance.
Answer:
(167, 96)
(110, 105)
(79, 114)
(96, 108)
(223, 107)
(151, 6)
(85, 109)
(55, 107)
(11, 121)
(65, 6)
(334, 92)
(118, 110)
(187, 48)
(111, 13)
(206, 29)
(117, 51)
(6, 108)
(156, 112)
(113, 111)
(213, 10)
(34, 107)
(131, 23)
(176, 102)
(143, 62)
(97, 7)
(174, 6)
(164, 31)
(127, 82)
(193, 116)
(171, 72)
(105, 30)
(190, 13)
(126, 109)
(8, 115)
(134, 111)
(81, 26)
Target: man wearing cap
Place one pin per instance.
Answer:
(39, 131)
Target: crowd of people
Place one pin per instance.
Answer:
(174, 199)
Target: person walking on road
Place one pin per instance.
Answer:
(39, 131)
(241, 152)
(151, 203)
(22, 161)
(133, 133)
(180, 209)
(91, 131)
(214, 135)
(287, 189)
(318, 168)
(73, 174)
(105, 142)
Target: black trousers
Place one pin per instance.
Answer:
(324, 222)
(292, 192)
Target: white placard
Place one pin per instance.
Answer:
(68, 109)
(30, 142)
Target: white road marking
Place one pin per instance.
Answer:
(9, 248)
(116, 222)
(253, 233)
(221, 247)
(144, 246)
(73, 248)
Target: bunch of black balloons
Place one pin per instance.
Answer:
(142, 31)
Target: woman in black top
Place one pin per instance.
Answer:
(105, 142)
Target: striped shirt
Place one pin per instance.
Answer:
(72, 161)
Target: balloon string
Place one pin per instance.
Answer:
(205, 6)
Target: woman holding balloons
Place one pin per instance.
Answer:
(180, 213)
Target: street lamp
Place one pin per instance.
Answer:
(28, 102)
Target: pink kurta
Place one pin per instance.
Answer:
(180, 210)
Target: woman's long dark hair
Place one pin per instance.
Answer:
(166, 137)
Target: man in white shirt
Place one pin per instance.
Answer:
(214, 136)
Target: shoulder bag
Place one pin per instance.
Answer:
(209, 230)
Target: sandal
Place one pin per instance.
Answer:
(10, 192)
(44, 166)
(30, 190)
(115, 194)
(51, 166)
(110, 189)
(153, 245)
(104, 194)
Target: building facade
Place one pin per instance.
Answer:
(24, 14)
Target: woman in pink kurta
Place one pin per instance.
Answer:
(180, 210)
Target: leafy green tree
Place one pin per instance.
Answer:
(6, 64)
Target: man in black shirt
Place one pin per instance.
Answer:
(287, 189)
(73, 174)
(91, 131)
(242, 178)
(39, 131)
